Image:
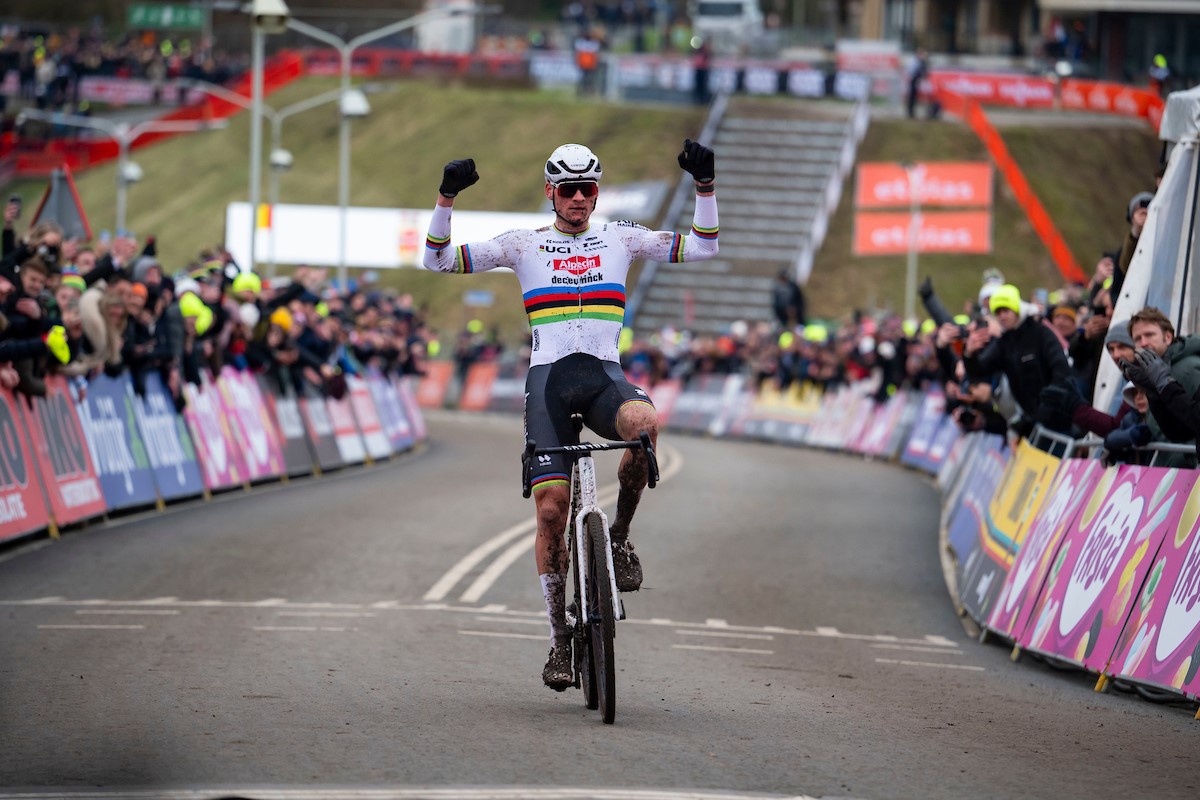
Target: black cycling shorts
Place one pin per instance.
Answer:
(577, 384)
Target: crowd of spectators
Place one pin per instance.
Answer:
(80, 310)
(50, 65)
(1007, 360)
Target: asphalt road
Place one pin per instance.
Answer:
(380, 633)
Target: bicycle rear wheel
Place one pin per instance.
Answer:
(601, 619)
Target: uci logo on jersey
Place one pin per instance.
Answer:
(555, 248)
(576, 265)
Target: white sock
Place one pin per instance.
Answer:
(554, 589)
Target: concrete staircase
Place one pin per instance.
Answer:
(775, 165)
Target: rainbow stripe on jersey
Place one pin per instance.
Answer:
(603, 301)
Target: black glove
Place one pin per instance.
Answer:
(1061, 397)
(926, 288)
(1147, 370)
(458, 175)
(699, 160)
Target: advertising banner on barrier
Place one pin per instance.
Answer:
(664, 395)
(289, 422)
(941, 452)
(929, 419)
(350, 444)
(477, 388)
(1013, 506)
(370, 426)
(1160, 645)
(1073, 483)
(391, 411)
(967, 528)
(408, 396)
(253, 430)
(211, 427)
(62, 456)
(321, 434)
(508, 389)
(1103, 561)
(173, 460)
(699, 404)
(435, 384)
(110, 427)
(22, 506)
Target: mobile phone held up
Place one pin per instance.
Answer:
(16, 201)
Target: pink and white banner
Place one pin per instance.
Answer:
(1073, 483)
(250, 422)
(1161, 643)
(209, 423)
(369, 423)
(1103, 561)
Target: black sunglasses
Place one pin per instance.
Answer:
(568, 190)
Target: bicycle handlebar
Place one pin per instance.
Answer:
(532, 451)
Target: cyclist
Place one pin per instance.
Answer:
(572, 279)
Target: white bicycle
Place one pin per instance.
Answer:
(593, 623)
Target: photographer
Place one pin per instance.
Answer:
(1168, 369)
(1026, 351)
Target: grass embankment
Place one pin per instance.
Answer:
(1084, 177)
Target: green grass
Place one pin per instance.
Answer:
(1084, 178)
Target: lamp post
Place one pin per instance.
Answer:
(266, 16)
(124, 135)
(346, 50)
(916, 174)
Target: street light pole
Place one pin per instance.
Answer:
(256, 71)
(346, 51)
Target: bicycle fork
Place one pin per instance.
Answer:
(585, 471)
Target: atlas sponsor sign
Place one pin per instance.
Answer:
(948, 183)
(885, 233)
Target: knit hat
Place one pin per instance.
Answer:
(71, 277)
(1139, 200)
(1007, 296)
(1118, 333)
(1065, 311)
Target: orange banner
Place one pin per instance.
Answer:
(944, 183)
(886, 233)
(431, 391)
(477, 390)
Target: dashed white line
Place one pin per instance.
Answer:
(502, 635)
(928, 664)
(303, 628)
(325, 614)
(727, 635)
(723, 649)
(917, 649)
(140, 612)
(91, 627)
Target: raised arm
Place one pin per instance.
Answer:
(701, 241)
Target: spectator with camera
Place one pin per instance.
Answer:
(1168, 369)
(1026, 352)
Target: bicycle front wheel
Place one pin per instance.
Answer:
(601, 620)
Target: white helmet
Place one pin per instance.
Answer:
(572, 162)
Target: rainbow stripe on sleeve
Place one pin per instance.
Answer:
(463, 260)
(436, 242)
(705, 233)
(603, 301)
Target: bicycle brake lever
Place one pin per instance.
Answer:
(651, 459)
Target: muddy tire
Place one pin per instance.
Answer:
(601, 619)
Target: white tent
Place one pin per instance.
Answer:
(1163, 272)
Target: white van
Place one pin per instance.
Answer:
(729, 26)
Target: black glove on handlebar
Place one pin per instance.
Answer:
(699, 160)
(458, 175)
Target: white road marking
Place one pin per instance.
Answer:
(542, 621)
(351, 793)
(91, 627)
(325, 614)
(161, 612)
(524, 534)
(726, 635)
(723, 649)
(502, 635)
(917, 649)
(303, 628)
(716, 623)
(927, 664)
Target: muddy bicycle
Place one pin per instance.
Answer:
(597, 606)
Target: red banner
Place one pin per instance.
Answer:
(946, 183)
(62, 455)
(1022, 91)
(22, 507)
(886, 233)
(431, 391)
(477, 390)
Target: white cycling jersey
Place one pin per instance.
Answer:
(573, 284)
